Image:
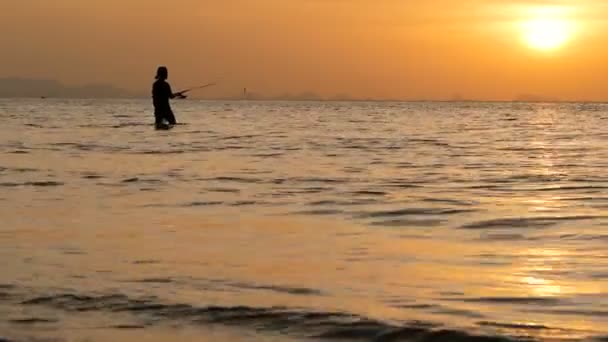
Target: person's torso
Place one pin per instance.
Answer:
(161, 93)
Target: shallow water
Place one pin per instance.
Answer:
(303, 221)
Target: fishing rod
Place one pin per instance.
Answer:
(180, 94)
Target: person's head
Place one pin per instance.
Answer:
(162, 73)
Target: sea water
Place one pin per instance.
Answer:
(303, 221)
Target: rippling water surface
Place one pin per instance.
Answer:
(303, 221)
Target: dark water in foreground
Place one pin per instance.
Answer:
(303, 221)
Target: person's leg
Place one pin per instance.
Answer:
(158, 119)
(170, 117)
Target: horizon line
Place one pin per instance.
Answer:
(279, 99)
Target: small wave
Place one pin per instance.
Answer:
(357, 147)
(146, 262)
(202, 204)
(274, 288)
(44, 183)
(529, 178)
(312, 324)
(231, 147)
(246, 203)
(514, 300)
(415, 211)
(238, 137)
(574, 312)
(416, 306)
(517, 326)
(87, 147)
(319, 180)
(128, 326)
(401, 185)
(131, 124)
(318, 212)
(226, 190)
(147, 152)
(531, 222)
(214, 283)
(18, 169)
(92, 176)
(488, 187)
(310, 190)
(584, 237)
(155, 280)
(402, 165)
(267, 155)
(570, 188)
(368, 193)
(37, 183)
(458, 312)
(33, 320)
(450, 201)
(584, 199)
(440, 309)
(408, 223)
(433, 142)
(141, 180)
(524, 149)
(502, 237)
(350, 169)
(236, 179)
(353, 202)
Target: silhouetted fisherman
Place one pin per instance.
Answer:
(161, 94)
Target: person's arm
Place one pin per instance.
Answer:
(170, 92)
(173, 95)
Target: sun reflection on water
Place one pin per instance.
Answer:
(542, 287)
(537, 264)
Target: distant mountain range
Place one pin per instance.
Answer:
(21, 87)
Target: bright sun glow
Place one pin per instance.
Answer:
(547, 34)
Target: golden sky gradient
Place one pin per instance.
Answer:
(405, 49)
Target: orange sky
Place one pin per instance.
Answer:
(405, 49)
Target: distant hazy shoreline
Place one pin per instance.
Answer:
(51, 89)
(303, 100)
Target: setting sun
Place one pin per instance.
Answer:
(547, 34)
